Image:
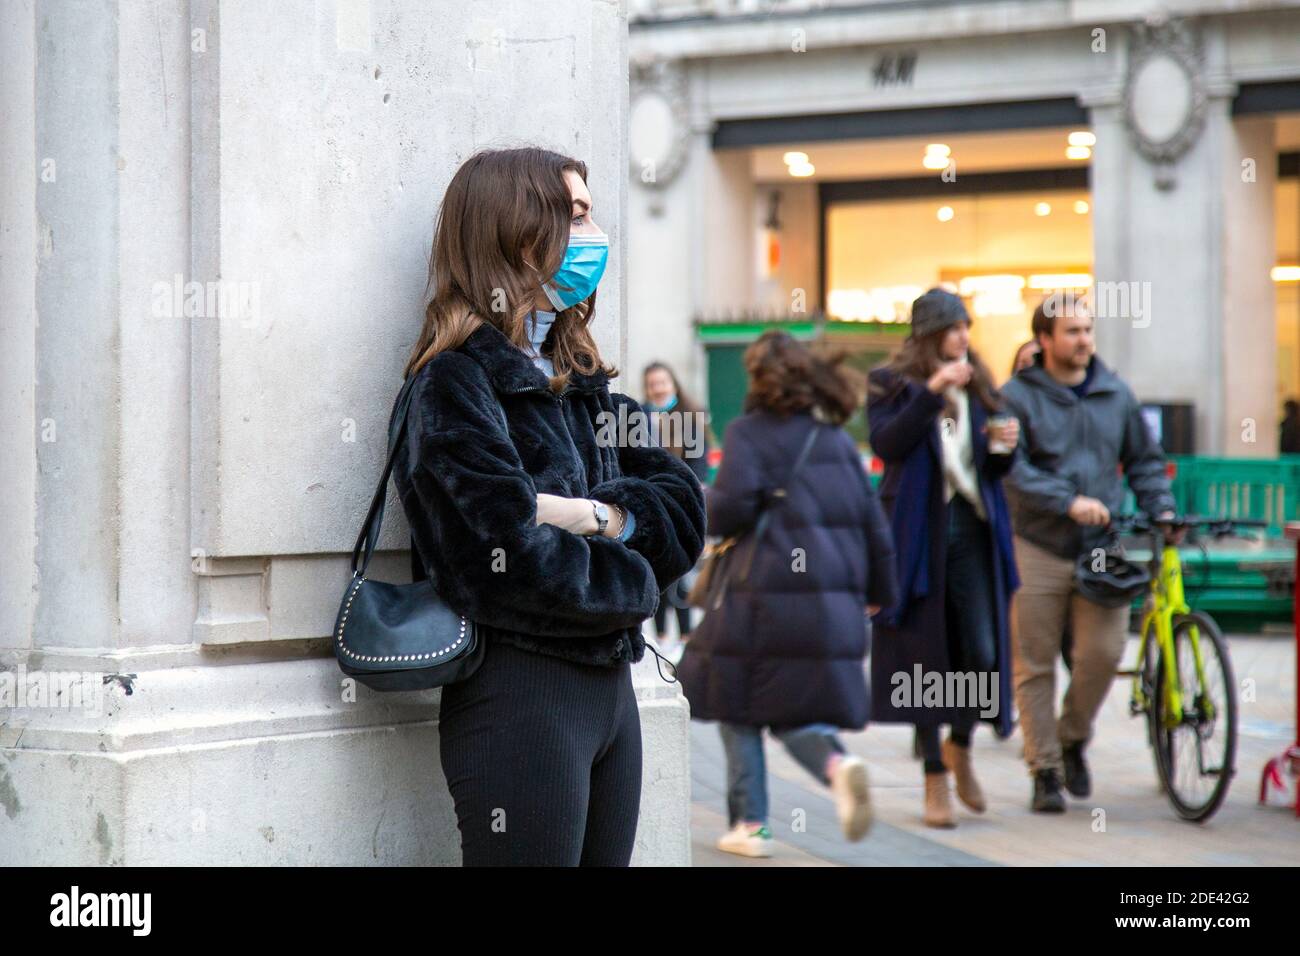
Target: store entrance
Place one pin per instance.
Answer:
(1000, 232)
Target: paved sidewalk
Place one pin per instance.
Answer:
(1140, 826)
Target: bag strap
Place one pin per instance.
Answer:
(369, 536)
(370, 528)
(780, 494)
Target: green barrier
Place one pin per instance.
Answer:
(1255, 489)
(1258, 489)
(1243, 585)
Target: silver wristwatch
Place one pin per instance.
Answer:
(602, 516)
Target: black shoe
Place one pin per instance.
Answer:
(1047, 792)
(1077, 780)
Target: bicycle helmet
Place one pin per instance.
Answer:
(1119, 584)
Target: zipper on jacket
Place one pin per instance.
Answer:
(559, 404)
(582, 468)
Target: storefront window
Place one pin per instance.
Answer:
(1002, 252)
(1286, 286)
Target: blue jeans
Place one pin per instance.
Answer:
(811, 746)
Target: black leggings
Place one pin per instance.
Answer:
(674, 591)
(543, 760)
(969, 617)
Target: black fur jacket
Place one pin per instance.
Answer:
(484, 435)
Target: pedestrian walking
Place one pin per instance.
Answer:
(1080, 426)
(681, 426)
(784, 649)
(936, 421)
(1024, 356)
(1289, 428)
(556, 544)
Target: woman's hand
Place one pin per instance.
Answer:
(951, 373)
(1008, 434)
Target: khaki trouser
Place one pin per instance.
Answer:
(1038, 618)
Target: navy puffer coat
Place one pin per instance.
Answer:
(786, 647)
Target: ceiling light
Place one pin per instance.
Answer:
(993, 294)
(1042, 209)
(1077, 152)
(1081, 207)
(802, 169)
(945, 213)
(1046, 282)
(1081, 138)
(937, 156)
(1285, 273)
(795, 159)
(969, 285)
(882, 304)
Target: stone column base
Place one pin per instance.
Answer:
(264, 764)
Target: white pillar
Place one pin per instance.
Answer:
(1203, 249)
(1249, 342)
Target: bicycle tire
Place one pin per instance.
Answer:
(1214, 649)
(1146, 676)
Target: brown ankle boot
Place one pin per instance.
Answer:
(957, 759)
(938, 807)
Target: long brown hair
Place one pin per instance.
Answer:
(787, 376)
(685, 406)
(501, 206)
(920, 357)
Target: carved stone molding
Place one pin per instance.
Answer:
(1164, 100)
(658, 122)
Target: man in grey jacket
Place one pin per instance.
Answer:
(1079, 425)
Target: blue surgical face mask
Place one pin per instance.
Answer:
(580, 272)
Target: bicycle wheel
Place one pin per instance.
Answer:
(1146, 678)
(1195, 757)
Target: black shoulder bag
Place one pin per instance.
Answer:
(400, 636)
(719, 566)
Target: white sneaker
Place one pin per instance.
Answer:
(852, 797)
(744, 839)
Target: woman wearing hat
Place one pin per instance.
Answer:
(942, 653)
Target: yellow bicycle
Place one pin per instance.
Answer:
(1182, 680)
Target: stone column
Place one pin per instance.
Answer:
(212, 270)
(1249, 339)
(1199, 240)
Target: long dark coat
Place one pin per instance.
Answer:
(786, 647)
(903, 417)
(485, 435)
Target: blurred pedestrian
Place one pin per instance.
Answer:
(680, 426)
(1024, 356)
(1289, 439)
(1080, 425)
(785, 648)
(1023, 360)
(935, 421)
